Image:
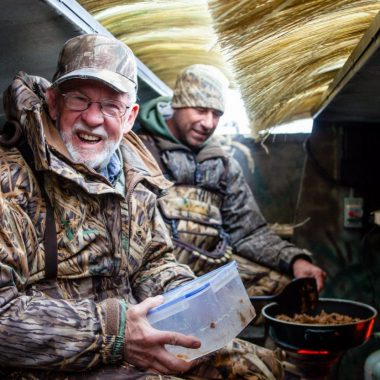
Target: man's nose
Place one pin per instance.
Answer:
(93, 115)
(208, 120)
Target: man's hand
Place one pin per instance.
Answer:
(303, 268)
(144, 345)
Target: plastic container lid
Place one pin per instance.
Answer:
(214, 307)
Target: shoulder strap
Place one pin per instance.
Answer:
(50, 236)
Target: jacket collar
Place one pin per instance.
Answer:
(25, 102)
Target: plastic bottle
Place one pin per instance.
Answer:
(372, 366)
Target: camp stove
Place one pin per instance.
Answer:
(311, 350)
(309, 365)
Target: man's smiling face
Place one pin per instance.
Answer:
(193, 126)
(90, 136)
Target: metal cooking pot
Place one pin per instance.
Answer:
(331, 338)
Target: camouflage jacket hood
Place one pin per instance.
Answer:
(215, 170)
(113, 247)
(152, 117)
(25, 100)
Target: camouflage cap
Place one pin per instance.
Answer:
(200, 86)
(94, 56)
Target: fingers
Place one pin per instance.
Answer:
(320, 278)
(156, 365)
(177, 339)
(143, 307)
(303, 268)
(155, 357)
(170, 364)
(144, 346)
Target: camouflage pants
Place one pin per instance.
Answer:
(237, 360)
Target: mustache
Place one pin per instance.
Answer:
(98, 131)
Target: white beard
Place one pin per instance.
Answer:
(98, 161)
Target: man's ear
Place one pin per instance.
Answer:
(51, 101)
(128, 124)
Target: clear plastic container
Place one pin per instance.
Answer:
(214, 307)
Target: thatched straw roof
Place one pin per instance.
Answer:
(286, 53)
(283, 54)
(166, 35)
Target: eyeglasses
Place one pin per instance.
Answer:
(77, 102)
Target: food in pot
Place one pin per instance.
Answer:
(322, 318)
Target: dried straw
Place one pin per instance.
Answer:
(165, 35)
(286, 53)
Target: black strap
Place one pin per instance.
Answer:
(50, 236)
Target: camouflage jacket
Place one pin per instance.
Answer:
(113, 247)
(214, 170)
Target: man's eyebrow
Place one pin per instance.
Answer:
(214, 111)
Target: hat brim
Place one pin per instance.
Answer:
(116, 81)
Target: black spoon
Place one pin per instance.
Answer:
(299, 296)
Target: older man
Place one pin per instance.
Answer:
(83, 248)
(211, 211)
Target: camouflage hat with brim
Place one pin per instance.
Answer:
(98, 57)
(200, 86)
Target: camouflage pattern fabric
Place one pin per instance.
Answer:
(193, 216)
(120, 372)
(214, 171)
(260, 280)
(112, 246)
(239, 360)
(200, 86)
(95, 56)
